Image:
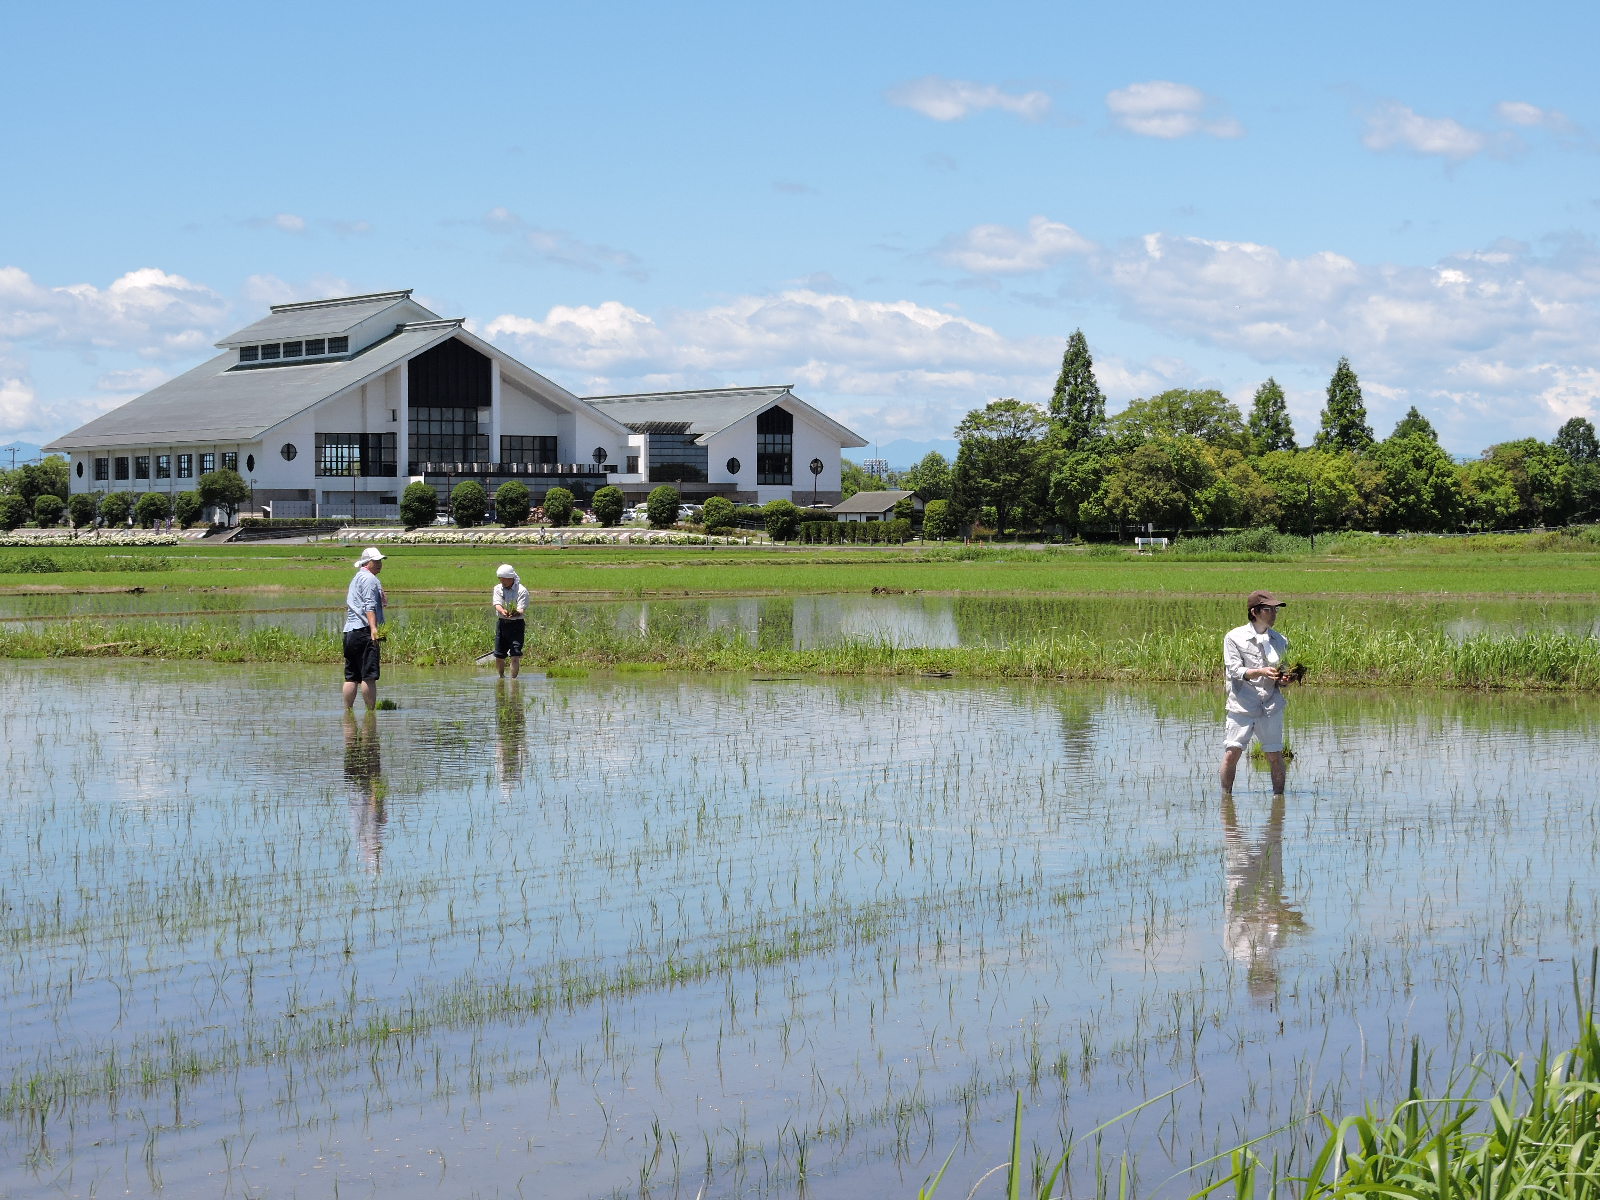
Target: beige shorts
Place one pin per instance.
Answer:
(1266, 728)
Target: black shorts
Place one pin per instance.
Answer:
(508, 635)
(360, 656)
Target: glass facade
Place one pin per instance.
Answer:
(674, 458)
(370, 455)
(447, 435)
(775, 446)
(517, 448)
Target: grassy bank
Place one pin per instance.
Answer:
(1337, 652)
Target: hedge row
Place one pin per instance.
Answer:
(876, 533)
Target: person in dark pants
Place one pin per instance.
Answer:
(511, 609)
(363, 629)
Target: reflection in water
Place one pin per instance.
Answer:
(1257, 918)
(511, 734)
(363, 768)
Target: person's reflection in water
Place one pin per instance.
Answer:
(363, 768)
(511, 729)
(1258, 920)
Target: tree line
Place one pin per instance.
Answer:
(1189, 459)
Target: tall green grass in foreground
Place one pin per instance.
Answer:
(1504, 1129)
(1337, 652)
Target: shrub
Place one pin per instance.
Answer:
(419, 505)
(782, 519)
(937, 520)
(187, 508)
(47, 509)
(13, 512)
(661, 506)
(82, 507)
(558, 505)
(512, 502)
(150, 508)
(717, 513)
(608, 505)
(114, 509)
(899, 530)
(905, 508)
(469, 503)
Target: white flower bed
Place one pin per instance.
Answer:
(536, 537)
(63, 537)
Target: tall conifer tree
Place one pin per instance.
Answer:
(1415, 422)
(1269, 422)
(1077, 406)
(1344, 418)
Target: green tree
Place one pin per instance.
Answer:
(114, 509)
(152, 507)
(13, 511)
(82, 508)
(717, 514)
(469, 503)
(1577, 439)
(187, 509)
(782, 519)
(1269, 425)
(1183, 412)
(419, 504)
(608, 505)
(47, 476)
(1489, 497)
(853, 479)
(1344, 417)
(1313, 489)
(1076, 480)
(1415, 423)
(225, 491)
(47, 509)
(1001, 445)
(558, 506)
(1542, 476)
(1146, 486)
(1419, 482)
(930, 478)
(937, 521)
(661, 507)
(1077, 406)
(512, 502)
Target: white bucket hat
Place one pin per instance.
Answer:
(370, 554)
(505, 571)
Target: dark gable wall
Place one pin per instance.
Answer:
(451, 375)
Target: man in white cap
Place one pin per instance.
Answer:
(363, 629)
(511, 607)
(1253, 663)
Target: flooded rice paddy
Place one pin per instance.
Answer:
(740, 937)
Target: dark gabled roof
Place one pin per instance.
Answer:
(871, 502)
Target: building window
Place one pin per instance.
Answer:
(102, 469)
(520, 449)
(269, 351)
(208, 463)
(775, 446)
(733, 466)
(185, 466)
(250, 462)
(293, 349)
(675, 458)
(163, 466)
(230, 460)
(338, 345)
(450, 435)
(141, 467)
(316, 346)
(633, 464)
(121, 466)
(352, 454)
(249, 353)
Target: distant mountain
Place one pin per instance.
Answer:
(25, 453)
(902, 453)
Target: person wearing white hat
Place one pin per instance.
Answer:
(363, 629)
(511, 627)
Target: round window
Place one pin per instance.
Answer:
(600, 455)
(249, 462)
(733, 466)
(288, 451)
(80, 470)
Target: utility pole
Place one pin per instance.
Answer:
(12, 450)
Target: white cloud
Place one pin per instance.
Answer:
(1002, 250)
(1394, 126)
(1531, 116)
(952, 99)
(156, 313)
(263, 291)
(19, 406)
(282, 222)
(560, 247)
(1160, 108)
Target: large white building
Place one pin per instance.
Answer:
(330, 407)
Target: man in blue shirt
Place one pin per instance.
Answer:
(363, 629)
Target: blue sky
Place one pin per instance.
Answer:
(902, 210)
